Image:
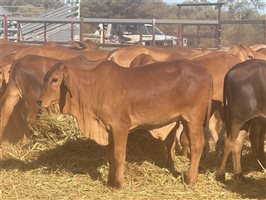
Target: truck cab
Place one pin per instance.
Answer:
(117, 33)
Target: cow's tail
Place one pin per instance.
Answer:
(209, 109)
(207, 119)
(226, 106)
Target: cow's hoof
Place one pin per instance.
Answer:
(116, 186)
(189, 181)
(176, 174)
(239, 177)
(220, 178)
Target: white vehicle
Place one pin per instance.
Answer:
(130, 34)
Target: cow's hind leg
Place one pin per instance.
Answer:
(196, 138)
(171, 143)
(227, 149)
(257, 136)
(236, 154)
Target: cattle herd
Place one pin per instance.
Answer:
(181, 95)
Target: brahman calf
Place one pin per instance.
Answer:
(110, 101)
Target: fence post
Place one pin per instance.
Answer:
(153, 32)
(44, 32)
(181, 34)
(72, 31)
(219, 28)
(264, 31)
(18, 32)
(5, 28)
(81, 29)
(140, 34)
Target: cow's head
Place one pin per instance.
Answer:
(55, 86)
(5, 65)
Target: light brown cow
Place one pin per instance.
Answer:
(244, 53)
(147, 97)
(62, 53)
(125, 56)
(218, 64)
(142, 59)
(263, 51)
(256, 47)
(19, 102)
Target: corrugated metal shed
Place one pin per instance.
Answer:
(4, 11)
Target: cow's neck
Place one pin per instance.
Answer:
(80, 105)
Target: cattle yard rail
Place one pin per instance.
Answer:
(81, 21)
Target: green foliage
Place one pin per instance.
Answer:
(30, 7)
(124, 9)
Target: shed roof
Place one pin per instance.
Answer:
(4, 11)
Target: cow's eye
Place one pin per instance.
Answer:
(54, 80)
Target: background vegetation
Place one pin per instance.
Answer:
(141, 9)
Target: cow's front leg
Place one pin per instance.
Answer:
(118, 157)
(111, 176)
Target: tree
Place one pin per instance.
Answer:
(242, 10)
(31, 7)
(124, 9)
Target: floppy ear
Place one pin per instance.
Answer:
(64, 88)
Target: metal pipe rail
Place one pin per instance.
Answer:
(81, 21)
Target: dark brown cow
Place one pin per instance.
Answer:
(257, 136)
(24, 89)
(245, 100)
(110, 101)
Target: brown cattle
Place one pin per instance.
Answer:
(218, 64)
(144, 98)
(257, 137)
(256, 47)
(244, 101)
(7, 47)
(263, 51)
(52, 50)
(244, 53)
(124, 56)
(7, 50)
(87, 44)
(24, 88)
(62, 53)
(142, 59)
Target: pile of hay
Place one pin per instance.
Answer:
(52, 126)
(60, 164)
